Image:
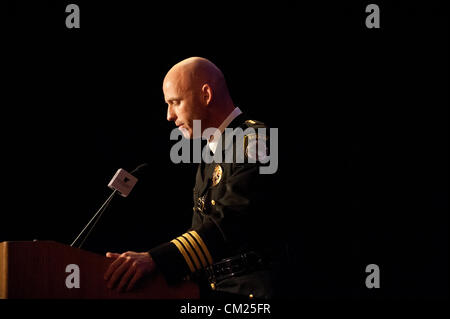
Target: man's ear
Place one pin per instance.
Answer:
(206, 94)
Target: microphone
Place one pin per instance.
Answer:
(122, 183)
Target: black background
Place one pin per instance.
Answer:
(362, 117)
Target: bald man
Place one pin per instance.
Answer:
(229, 246)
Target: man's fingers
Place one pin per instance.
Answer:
(127, 269)
(126, 278)
(112, 268)
(119, 271)
(137, 275)
(112, 255)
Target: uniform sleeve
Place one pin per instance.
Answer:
(182, 256)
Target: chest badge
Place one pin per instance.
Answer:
(217, 175)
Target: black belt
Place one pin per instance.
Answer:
(233, 266)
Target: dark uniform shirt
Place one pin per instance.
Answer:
(230, 241)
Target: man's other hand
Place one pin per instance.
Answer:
(127, 269)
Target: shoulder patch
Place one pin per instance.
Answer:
(255, 147)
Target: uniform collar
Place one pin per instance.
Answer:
(216, 137)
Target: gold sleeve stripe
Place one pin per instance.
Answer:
(198, 250)
(183, 252)
(190, 251)
(202, 244)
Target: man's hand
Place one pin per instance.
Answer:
(127, 269)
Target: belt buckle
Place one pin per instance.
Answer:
(228, 268)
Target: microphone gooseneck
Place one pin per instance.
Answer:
(103, 208)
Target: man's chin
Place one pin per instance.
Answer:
(186, 133)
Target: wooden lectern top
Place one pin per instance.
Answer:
(47, 269)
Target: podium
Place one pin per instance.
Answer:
(50, 270)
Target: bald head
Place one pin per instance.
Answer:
(195, 89)
(193, 73)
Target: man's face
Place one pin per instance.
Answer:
(183, 104)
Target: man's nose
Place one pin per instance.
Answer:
(170, 114)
